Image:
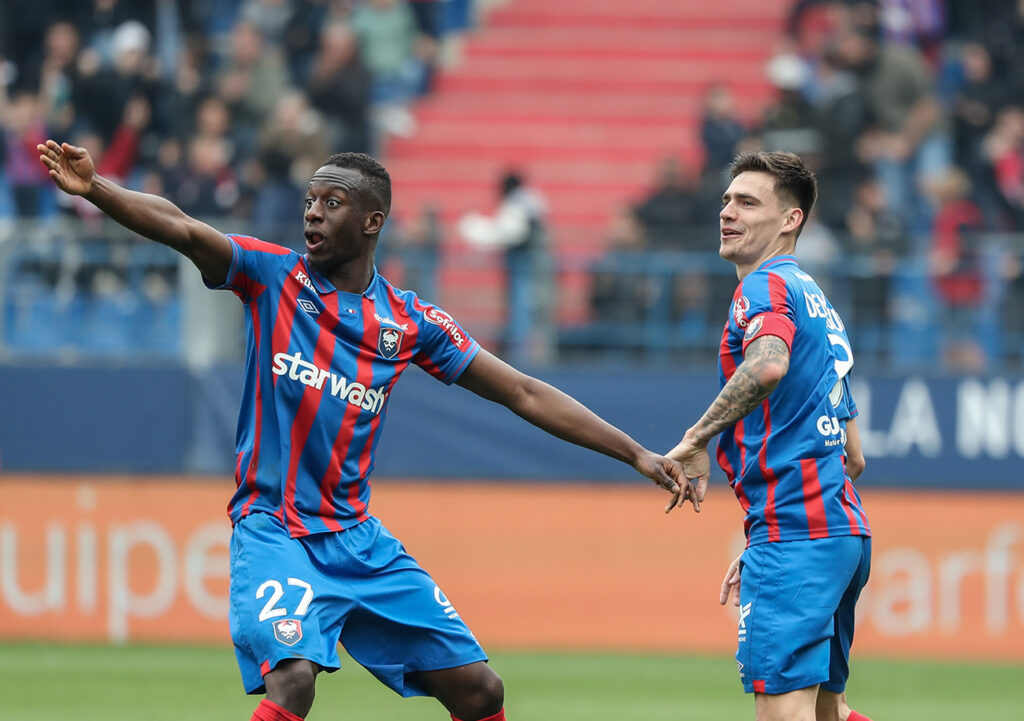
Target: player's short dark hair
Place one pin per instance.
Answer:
(794, 181)
(378, 180)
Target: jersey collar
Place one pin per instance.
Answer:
(324, 286)
(777, 260)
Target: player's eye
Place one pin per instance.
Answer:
(332, 203)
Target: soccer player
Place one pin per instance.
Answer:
(327, 339)
(782, 361)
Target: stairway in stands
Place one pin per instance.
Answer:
(585, 96)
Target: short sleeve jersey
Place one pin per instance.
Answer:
(784, 460)
(320, 367)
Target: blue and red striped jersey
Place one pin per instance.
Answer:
(320, 367)
(784, 460)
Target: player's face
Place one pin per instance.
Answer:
(334, 221)
(752, 220)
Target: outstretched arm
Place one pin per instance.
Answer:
(559, 414)
(765, 363)
(156, 218)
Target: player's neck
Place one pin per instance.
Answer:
(745, 269)
(351, 277)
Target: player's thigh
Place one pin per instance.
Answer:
(844, 622)
(404, 624)
(789, 593)
(285, 603)
(470, 691)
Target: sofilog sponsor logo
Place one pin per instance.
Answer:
(439, 317)
(309, 374)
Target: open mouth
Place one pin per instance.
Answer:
(314, 240)
(731, 233)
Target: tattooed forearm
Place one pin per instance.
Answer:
(765, 363)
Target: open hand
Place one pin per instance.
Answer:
(70, 167)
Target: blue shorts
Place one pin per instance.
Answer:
(297, 597)
(797, 602)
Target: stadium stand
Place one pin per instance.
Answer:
(589, 100)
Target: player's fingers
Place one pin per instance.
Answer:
(728, 586)
(674, 502)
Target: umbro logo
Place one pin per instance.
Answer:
(745, 610)
(310, 307)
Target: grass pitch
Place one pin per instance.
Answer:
(173, 683)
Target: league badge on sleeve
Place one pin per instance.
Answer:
(753, 328)
(389, 342)
(288, 631)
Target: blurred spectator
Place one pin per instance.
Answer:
(55, 75)
(956, 268)
(1003, 34)
(876, 245)
(23, 25)
(790, 123)
(974, 109)
(116, 160)
(271, 17)
(841, 115)
(669, 212)
(1003, 150)
(103, 89)
(388, 41)
(907, 141)
(818, 249)
(105, 25)
(291, 147)
(621, 287)
(339, 86)
(519, 228)
(254, 78)
(208, 187)
(721, 131)
(919, 22)
(178, 101)
(418, 248)
(28, 183)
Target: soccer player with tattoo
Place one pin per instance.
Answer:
(783, 362)
(328, 338)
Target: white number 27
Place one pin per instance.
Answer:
(269, 608)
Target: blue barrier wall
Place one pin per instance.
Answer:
(953, 432)
(93, 419)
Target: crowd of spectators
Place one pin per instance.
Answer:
(910, 111)
(222, 105)
(912, 114)
(225, 107)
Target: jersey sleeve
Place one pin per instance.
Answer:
(445, 349)
(766, 309)
(252, 262)
(849, 410)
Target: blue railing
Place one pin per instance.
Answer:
(73, 290)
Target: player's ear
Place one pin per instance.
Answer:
(794, 217)
(373, 222)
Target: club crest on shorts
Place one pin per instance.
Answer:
(389, 342)
(288, 631)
